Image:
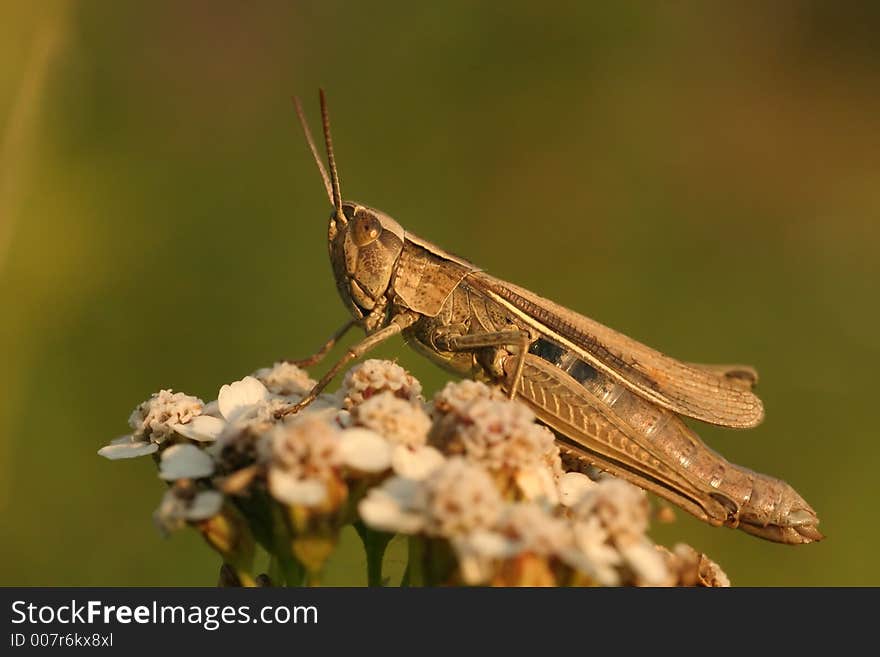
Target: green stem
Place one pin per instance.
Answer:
(292, 570)
(375, 543)
(415, 569)
(274, 571)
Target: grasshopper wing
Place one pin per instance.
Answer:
(744, 376)
(703, 392)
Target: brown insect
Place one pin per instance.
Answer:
(612, 402)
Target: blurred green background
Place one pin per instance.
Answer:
(702, 176)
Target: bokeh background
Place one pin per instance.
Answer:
(702, 176)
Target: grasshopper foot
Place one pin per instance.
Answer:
(293, 409)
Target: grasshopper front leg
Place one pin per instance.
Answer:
(449, 341)
(394, 327)
(318, 356)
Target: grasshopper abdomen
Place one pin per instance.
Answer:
(615, 429)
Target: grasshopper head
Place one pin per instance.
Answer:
(364, 247)
(364, 243)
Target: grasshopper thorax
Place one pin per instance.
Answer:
(364, 248)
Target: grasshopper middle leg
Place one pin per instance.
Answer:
(318, 356)
(449, 341)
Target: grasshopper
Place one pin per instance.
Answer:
(612, 402)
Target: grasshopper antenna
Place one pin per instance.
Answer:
(331, 160)
(313, 148)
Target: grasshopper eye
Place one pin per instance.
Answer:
(365, 228)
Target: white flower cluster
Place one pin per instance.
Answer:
(374, 376)
(161, 417)
(478, 422)
(184, 501)
(471, 471)
(286, 379)
(461, 503)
